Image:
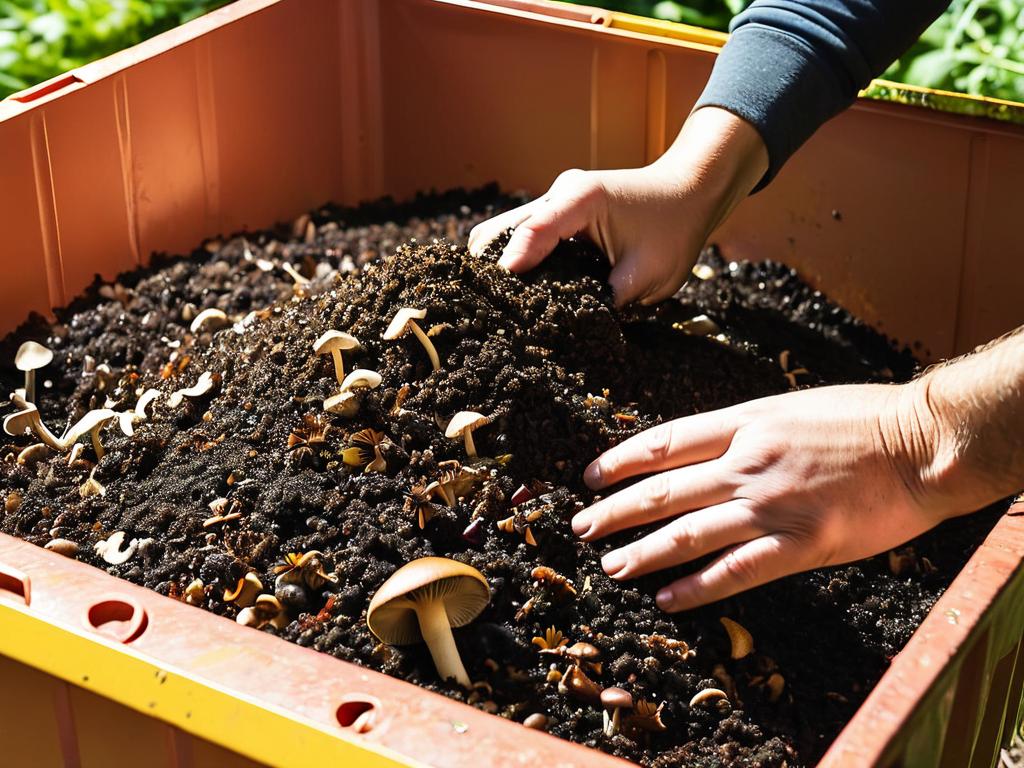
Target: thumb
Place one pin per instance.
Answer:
(628, 281)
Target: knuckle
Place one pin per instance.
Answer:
(656, 496)
(570, 178)
(739, 569)
(683, 536)
(659, 443)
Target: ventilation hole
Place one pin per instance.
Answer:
(120, 618)
(358, 713)
(15, 582)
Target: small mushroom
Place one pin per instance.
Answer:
(64, 547)
(576, 683)
(646, 716)
(16, 424)
(741, 640)
(195, 592)
(211, 320)
(90, 424)
(404, 320)
(110, 549)
(344, 404)
(266, 610)
(245, 591)
(615, 699)
(361, 378)
(333, 343)
(537, 721)
(29, 358)
(708, 694)
(423, 600)
(462, 425)
(203, 385)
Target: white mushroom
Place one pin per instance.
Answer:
(405, 320)
(462, 425)
(344, 404)
(361, 378)
(110, 549)
(90, 424)
(203, 385)
(333, 343)
(210, 320)
(29, 358)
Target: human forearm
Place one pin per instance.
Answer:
(791, 65)
(969, 414)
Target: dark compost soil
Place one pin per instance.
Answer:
(561, 375)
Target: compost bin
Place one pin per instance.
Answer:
(904, 215)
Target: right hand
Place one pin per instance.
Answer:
(651, 222)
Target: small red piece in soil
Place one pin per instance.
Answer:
(522, 495)
(474, 533)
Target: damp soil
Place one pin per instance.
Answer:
(561, 376)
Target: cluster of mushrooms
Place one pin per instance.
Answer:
(423, 600)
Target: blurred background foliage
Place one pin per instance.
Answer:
(977, 46)
(40, 39)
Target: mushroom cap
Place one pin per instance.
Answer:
(332, 340)
(341, 402)
(31, 356)
(361, 377)
(401, 320)
(217, 316)
(464, 420)
(88, 423)
(616, 697)
(391, 616)
(15, 424)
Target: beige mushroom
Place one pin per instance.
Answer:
(18, 423)
(615, 699)
(211, 320)
(203, 385)
(462, 425)
(110, 549)
(423, 600)
(266, 610)
(333, 343)
(404, 320)
(361, 378)
(90, 424)
(344, 404)
(29, 358)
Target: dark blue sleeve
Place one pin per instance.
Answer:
(790, 65)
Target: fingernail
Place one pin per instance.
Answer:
(592, 475)
(613, 562)
(664, 599)
(581, 525)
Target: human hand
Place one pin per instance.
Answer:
(651, 222)
(782, 484)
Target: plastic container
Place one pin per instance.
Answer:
(266, 108)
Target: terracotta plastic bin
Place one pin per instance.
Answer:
(257, 112)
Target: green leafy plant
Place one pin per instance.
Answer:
(43, 38)
(976, 46)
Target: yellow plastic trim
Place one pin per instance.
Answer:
(198, 707)
(879, 90)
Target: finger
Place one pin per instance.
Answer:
(738, 569)
(626, 282)
(655, 498)
(557, 217)
(486, 231)
(688, 440)
(686, 538)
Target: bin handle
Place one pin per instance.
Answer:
(15, 581)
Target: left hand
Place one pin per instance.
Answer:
(782, 484)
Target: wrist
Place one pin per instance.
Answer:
(717, 158)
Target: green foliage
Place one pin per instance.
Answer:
(976, 46)
(42, 38)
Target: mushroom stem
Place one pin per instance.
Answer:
(96, 444)
(437, 634)
(30, 386)
(427, 344)
(615, 722)
(339, 365)
(467, 436)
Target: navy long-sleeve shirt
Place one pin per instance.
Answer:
(791, 65)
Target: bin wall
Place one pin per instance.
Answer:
(265, 109)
